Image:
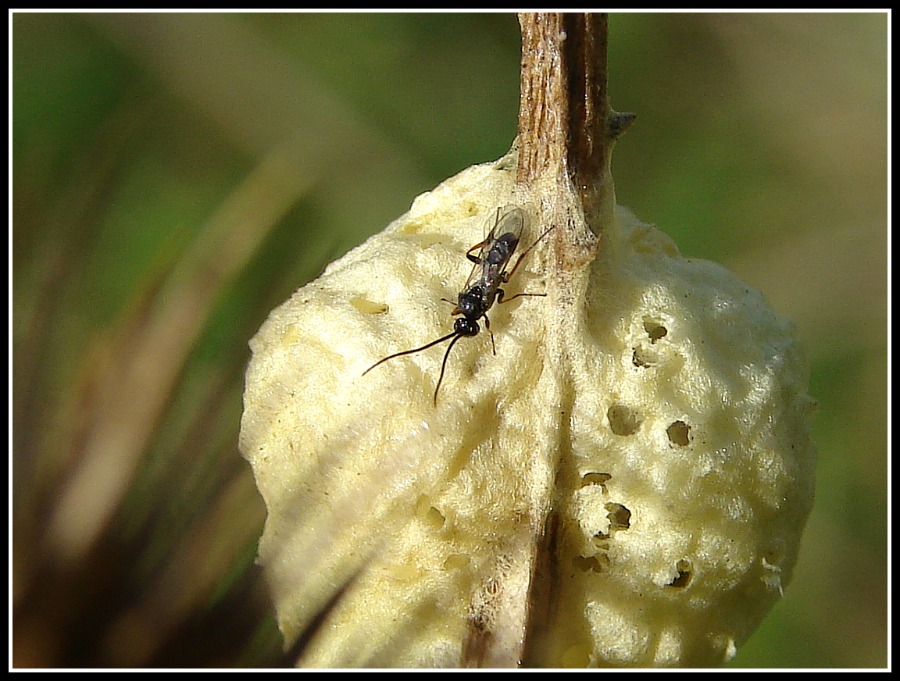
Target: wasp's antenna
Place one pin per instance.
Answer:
(444, 365)
(409, 352)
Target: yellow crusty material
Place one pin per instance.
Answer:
(631, 495)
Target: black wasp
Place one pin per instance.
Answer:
(483, 285)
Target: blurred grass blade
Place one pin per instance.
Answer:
(138, 369)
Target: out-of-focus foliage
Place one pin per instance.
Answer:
(177, 176)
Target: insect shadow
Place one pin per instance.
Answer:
(482, 287)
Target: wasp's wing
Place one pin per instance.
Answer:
(508, 220)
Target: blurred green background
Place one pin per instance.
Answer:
(175, 177)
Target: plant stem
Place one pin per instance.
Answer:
(566, 126)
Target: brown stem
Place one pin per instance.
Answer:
(585, 70)
(566, 125)
(543, 101)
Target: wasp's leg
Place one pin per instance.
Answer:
(501, 299)
(475, 258)
(508, 275)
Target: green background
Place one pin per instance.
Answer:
(760, 143)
